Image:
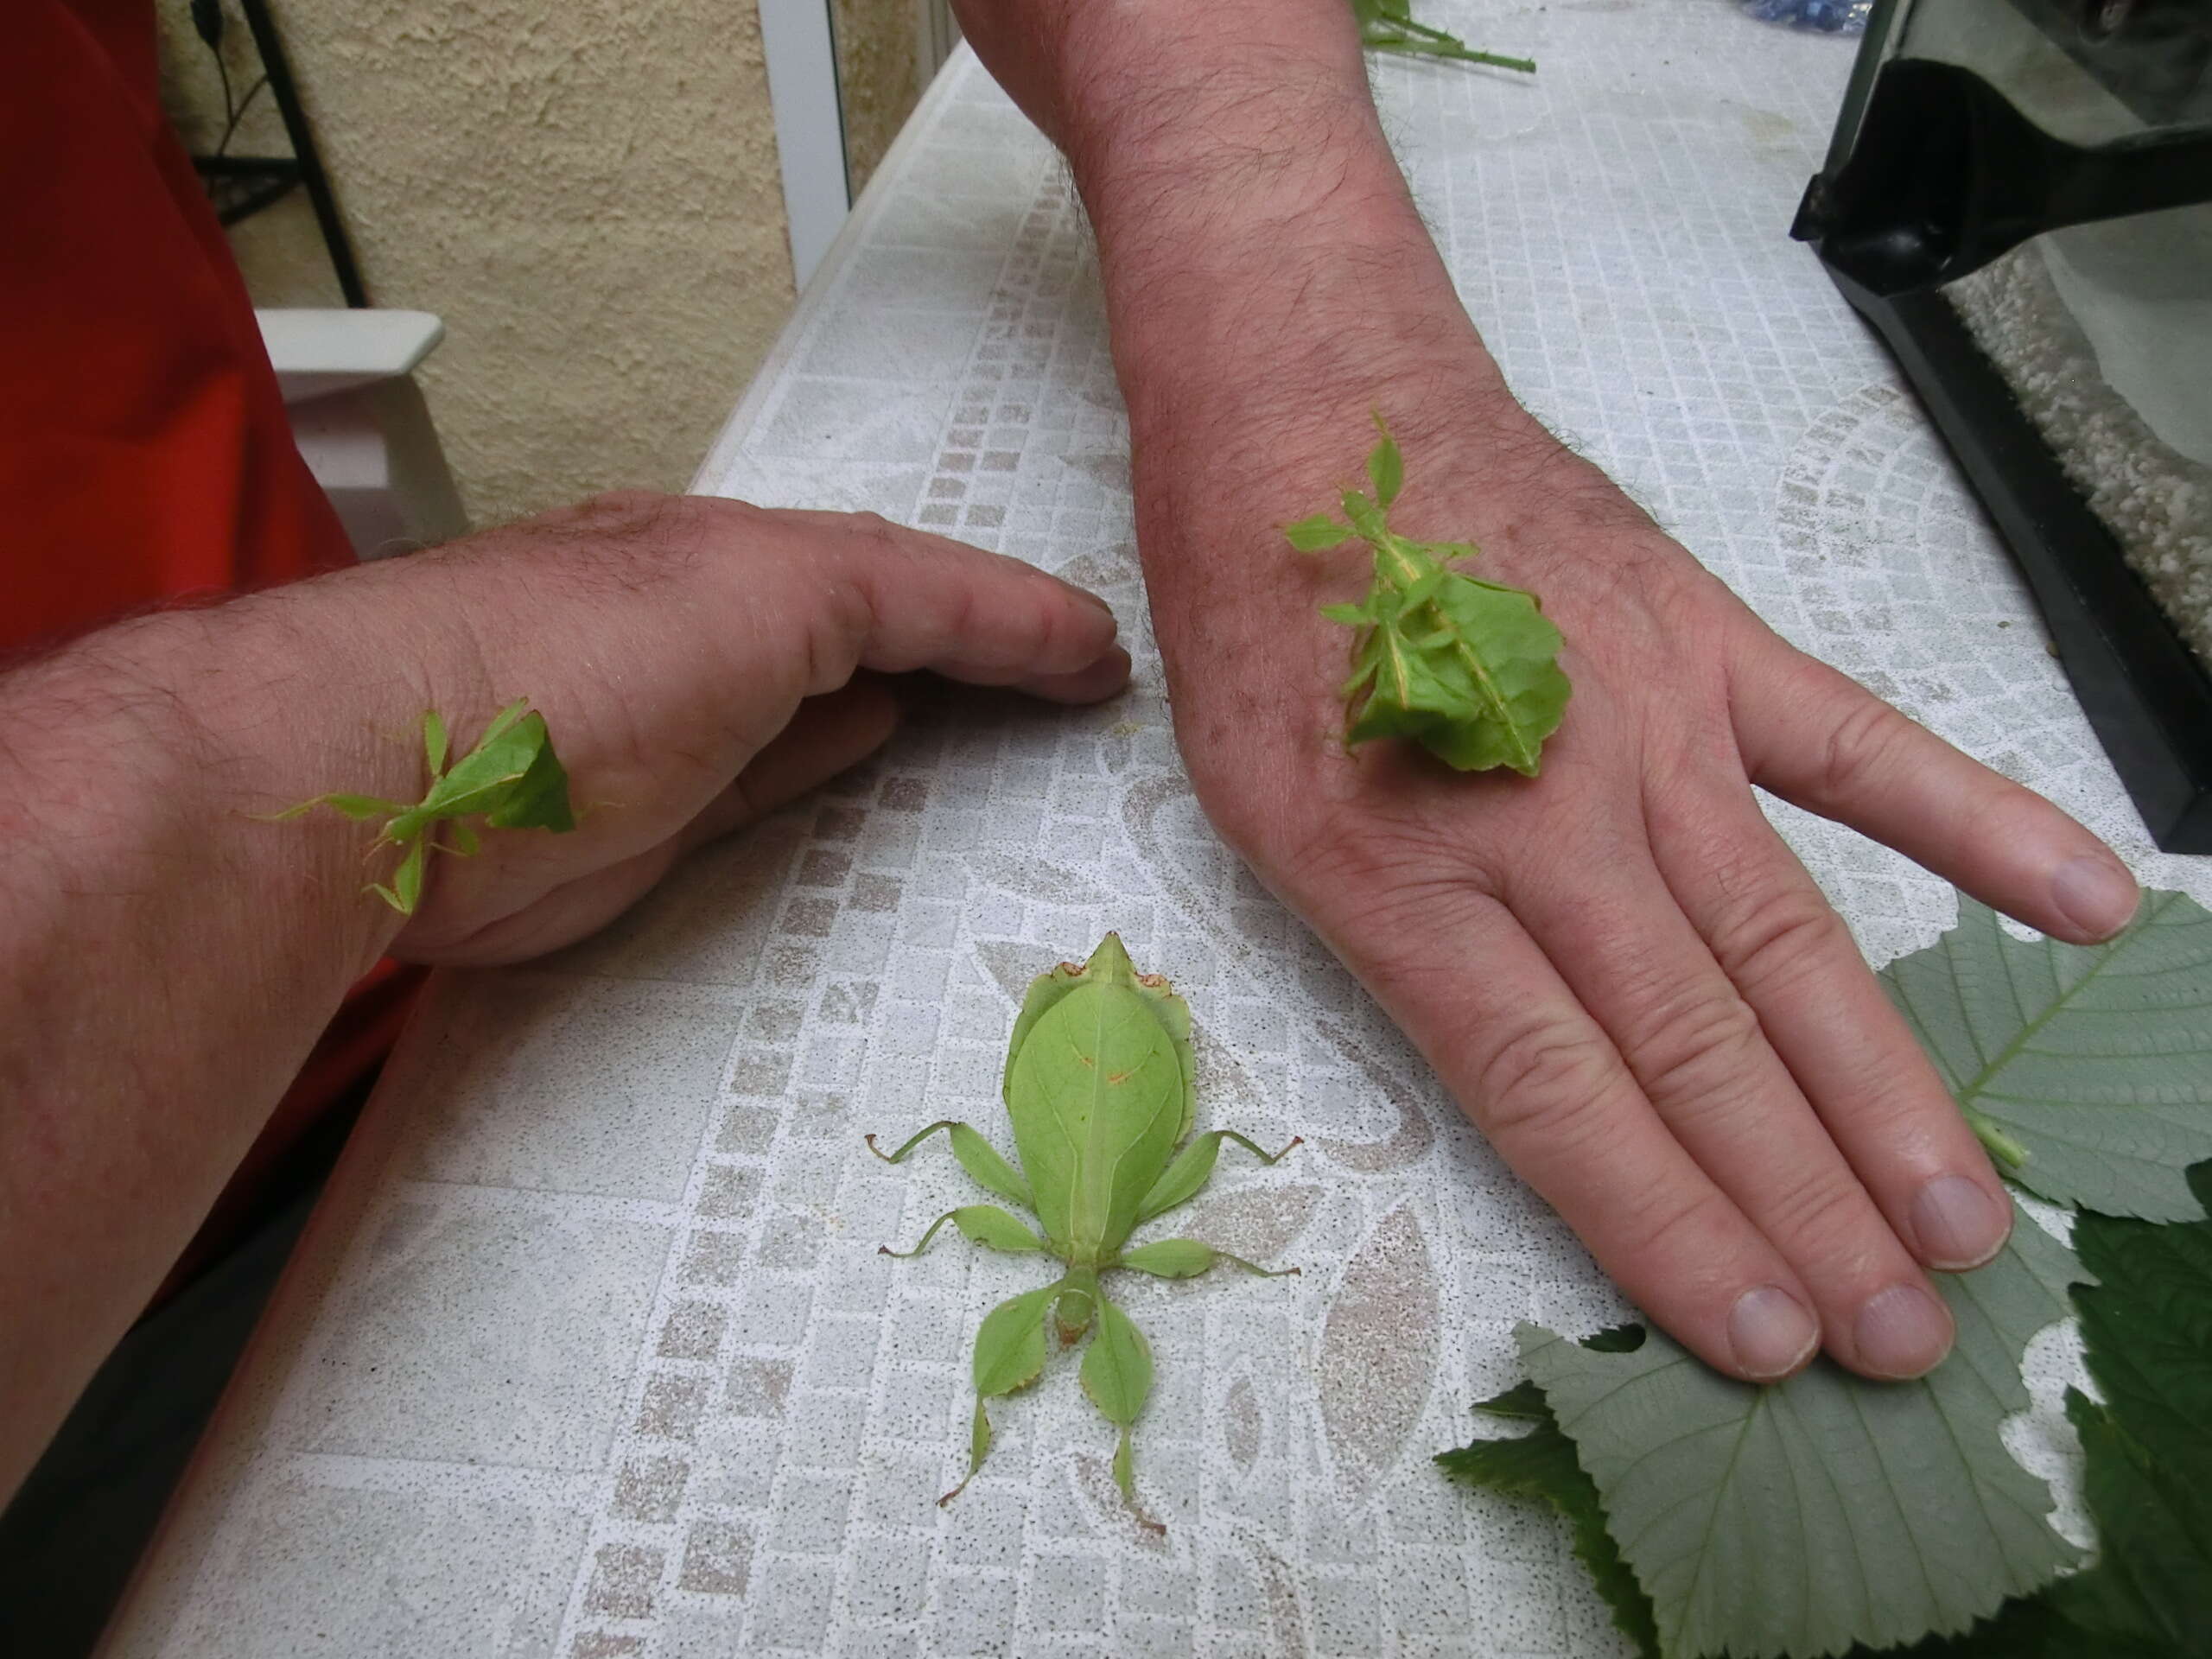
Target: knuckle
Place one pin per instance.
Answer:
(1703, 1044)
(1668, 1225)
(1862, 748)
(1774, 936)
(1827, 1217)
(1553, 1078)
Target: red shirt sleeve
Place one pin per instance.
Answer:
(144, 451)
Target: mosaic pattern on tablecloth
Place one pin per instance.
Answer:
(594, 1354)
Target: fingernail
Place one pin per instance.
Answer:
(2095, 894)
(1086, 594)
(1902, 1331)
(1957, 1223)
(1771, 1332)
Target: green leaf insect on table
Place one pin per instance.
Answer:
(1097, 1087)
(1467, 669)
(511, 780)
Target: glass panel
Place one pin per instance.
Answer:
(2104, 334)
(2089, 71)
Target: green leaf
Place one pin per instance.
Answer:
(1355, 616)
(1010, 1343)
(1824, 1510)
(2088, 1069)
(1386, 468)
(2147, 1329)
(1542, 1465)
(1317, 534)
(2153, 1584)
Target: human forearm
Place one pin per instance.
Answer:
(166, 956)
(1265, 269)
(166, 962)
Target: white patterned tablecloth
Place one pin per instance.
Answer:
(589, 1351)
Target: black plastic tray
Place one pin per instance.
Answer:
(2147, 694)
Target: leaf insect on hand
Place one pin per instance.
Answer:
(512, 779)
(1468, 668)
(1098, 1086)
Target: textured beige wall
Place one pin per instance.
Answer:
(587, 191)
(879, 77)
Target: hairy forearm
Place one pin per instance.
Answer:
(166, 960)
(1265, 269)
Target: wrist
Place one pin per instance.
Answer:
(212, 722)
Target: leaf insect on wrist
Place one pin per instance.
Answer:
(511, 780)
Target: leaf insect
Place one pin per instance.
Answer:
(1388, 26)
(511, 780)
(1098, 1086)
(1467, 669)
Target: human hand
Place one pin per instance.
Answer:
(699, 663)
(1618, 968)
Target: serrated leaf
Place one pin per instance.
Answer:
(1826, 1510)
(2151, 1587)
(1542, 1465)
(2147, 1330)
(2086, 1069)
(2146, 1326)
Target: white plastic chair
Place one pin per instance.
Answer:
(360, 422)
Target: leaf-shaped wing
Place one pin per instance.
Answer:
(1805, 1516)
(1505, 651)
(2094, 1061)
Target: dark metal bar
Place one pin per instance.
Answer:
(286, 92)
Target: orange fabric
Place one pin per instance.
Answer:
(144, 452)
(145, 457)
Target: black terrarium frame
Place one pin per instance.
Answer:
(1933, 175)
